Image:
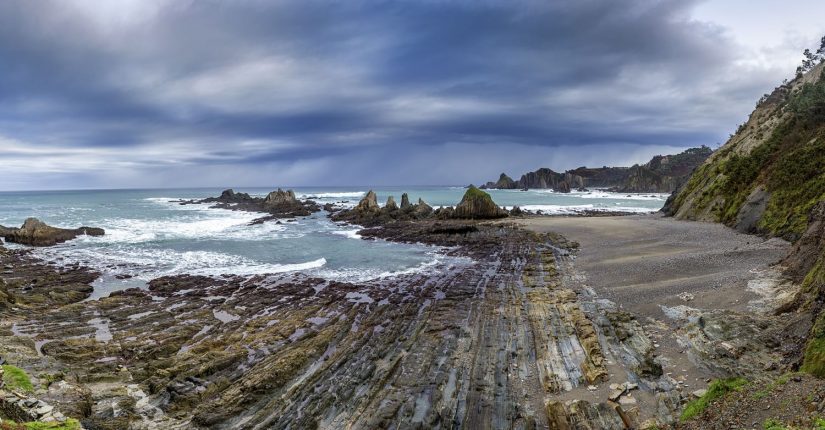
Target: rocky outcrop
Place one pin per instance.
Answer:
(662, 174)
(422, 209)
(278, 204)
(281, 198)
(368, 204)
(476, 204)
(405, 202)
(37, 233)
(390, 205)
(768, 176)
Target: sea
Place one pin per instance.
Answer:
(149, 234)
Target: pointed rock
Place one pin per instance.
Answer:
(405, 201)
(422, 208)
(391, 206)
(369, 203)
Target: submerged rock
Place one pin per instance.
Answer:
(477, 204)
(37, 233)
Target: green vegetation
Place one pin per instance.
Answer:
(790, 164)
(774, 424)
(475, 193)
(70, 424)
(717, 389)
(16, 378)
(814, 360)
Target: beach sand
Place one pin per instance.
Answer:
(642, 262)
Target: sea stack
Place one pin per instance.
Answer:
(369, 203)
(281, 198)
(405, 201)
(422, 208)
(477, 204)
(391, 206)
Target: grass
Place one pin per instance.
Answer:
(778, 382)
(16, 378)
(717, 389)
(814, 359)
(774, 424)
(70, 424)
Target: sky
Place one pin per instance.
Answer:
(179, 93)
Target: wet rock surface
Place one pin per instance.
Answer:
(278, 204)
(37, 233)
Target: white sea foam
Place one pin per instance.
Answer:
(341, 195)
(577, 209)
(352, 234)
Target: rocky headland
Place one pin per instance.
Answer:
(662, 174)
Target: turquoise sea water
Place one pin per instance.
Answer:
(148, 236)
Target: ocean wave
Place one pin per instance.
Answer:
(578, 209)
(598, 194)
(333, 195)
(352, 234)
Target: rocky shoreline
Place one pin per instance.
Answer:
(514, 337)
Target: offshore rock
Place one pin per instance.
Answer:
(281, 198)
(477, 204)
(422, 208)
(563, 187)
(278, 204)
(37, 233)
(391, 206)
(369, 203)
(405, 202)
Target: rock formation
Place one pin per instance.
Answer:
(662, 174)
(476, 204)
(369, 203)
(422, 208)
(37, 233)
(278, 204)
(405, 202)
(390, 205)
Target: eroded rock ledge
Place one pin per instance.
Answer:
(37, 233)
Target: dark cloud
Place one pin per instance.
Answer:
(98, 92)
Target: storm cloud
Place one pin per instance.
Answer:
(213, 93)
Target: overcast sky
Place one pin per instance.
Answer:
(152, 93)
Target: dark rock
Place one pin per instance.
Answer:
(422, 208)
(477, 204)
(369, 203)
(405, 202)
(391, 206)
(563, 187)
(37, 233)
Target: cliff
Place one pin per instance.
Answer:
(769, 179)
(662, 174)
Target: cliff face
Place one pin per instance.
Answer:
(771, 173)
(769, 178)
(662, 174)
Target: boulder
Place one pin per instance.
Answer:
(369, 203)
(37, 233)
(405, 202)
(391, 206)
(477, 204)
(281, 198)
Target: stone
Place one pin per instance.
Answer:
(699, 393)
(37, 233)
(405, 202)
(477, 204)
(615, 395)
(390, 205)
(422, 208)
(369, 203)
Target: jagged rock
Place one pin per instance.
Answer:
(369, 203)
(278, 204)
(405, 202)
(504, 183)
(563, 187)
(477, 204)
(422, 208)
(390, 205)
(516, 211)
(37, 233)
